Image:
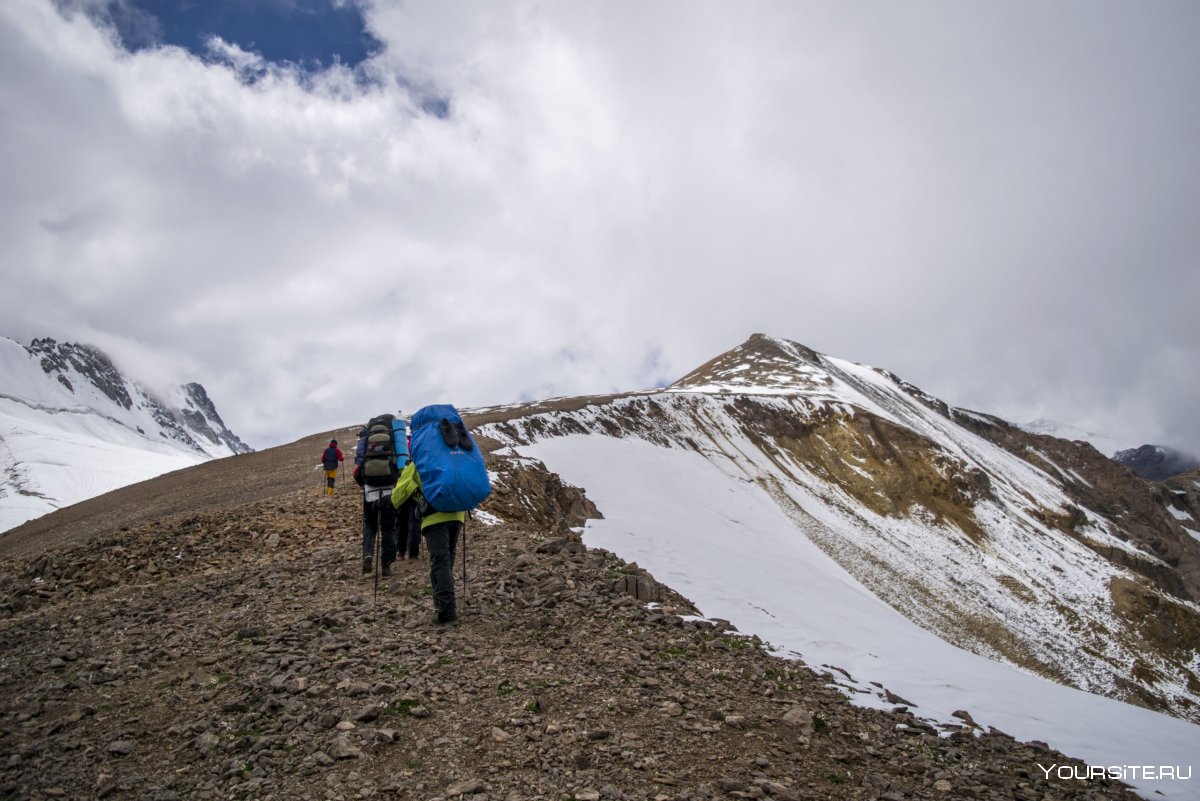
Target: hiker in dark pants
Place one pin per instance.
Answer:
(441, 530)
(442, 540)
(379, 518)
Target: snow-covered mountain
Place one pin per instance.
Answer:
(72, 427)
(862, 524)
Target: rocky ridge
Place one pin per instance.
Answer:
(993, 537)
(236, 651)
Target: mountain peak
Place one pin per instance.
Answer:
(1156, 462)
(107, 429)
(761, 365)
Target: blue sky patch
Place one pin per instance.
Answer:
(313, 34)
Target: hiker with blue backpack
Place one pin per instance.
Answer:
(447, 478)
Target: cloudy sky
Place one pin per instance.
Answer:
(325, 209)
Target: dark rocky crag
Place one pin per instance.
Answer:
(1157, 462)
(198, 418)
(229, 648)
(204, 420)
(88, 361)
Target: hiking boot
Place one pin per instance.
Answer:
(447, 615)
(387, 569)
(366, 564)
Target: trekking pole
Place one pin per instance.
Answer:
(377, 547)
(464, 550)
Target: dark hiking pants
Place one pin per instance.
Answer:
(379, 517)
(442, 539)
(408, 524)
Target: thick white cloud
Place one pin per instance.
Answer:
(994, 201)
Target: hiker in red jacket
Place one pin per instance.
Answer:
(330, 459)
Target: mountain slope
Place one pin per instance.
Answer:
(229, 648)
(1037, 552)
(72, 427)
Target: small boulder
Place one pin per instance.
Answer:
(344, 749)
(468, 787)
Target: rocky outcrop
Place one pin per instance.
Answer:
(89, 362)
(205, 421)
(525, 490)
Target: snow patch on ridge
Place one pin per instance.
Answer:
(697, 525)
(1180, 514)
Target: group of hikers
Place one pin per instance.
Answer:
(418, 478)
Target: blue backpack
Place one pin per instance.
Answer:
(453, 475)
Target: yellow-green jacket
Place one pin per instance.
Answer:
(409, 485)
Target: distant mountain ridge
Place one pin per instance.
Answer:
(73, 426)
(1157, 462)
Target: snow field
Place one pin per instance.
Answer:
(72, 458)
(698, 526)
